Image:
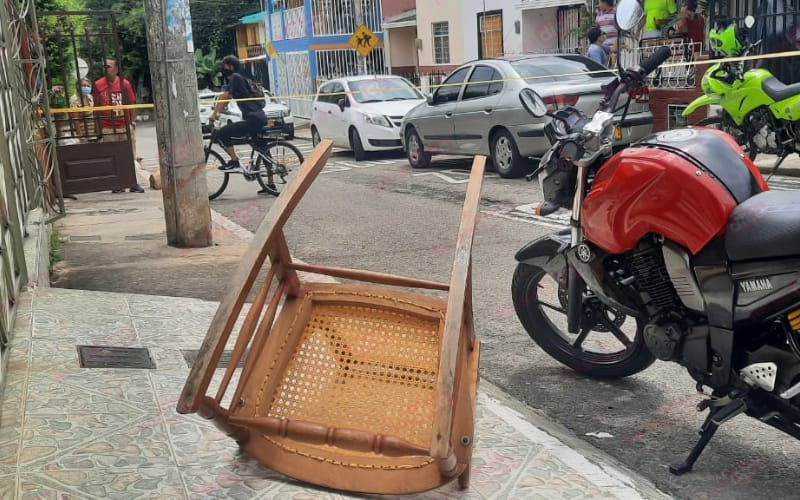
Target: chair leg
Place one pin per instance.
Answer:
(463, 479)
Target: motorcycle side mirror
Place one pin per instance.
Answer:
(629, 14)
(749, 22)
(532, 102)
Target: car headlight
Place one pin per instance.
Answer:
(379, 120)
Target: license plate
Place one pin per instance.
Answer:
(270, 123)
(617, 133)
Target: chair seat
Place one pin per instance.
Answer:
(361, 366)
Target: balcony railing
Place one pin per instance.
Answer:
(296, 23)
(338, 17)
(277, 25)
(255, 50)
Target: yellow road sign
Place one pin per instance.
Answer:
(364, 40)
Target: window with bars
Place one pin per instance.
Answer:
(441, 43)
(490, 34)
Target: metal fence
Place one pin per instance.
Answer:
(777, 26)
(29, 177)
(678, 77)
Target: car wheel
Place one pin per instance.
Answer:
(355, 144)
(315, 138)
(505, 155)
(417, 156)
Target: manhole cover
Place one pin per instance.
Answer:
(190, 355)
(91, 356)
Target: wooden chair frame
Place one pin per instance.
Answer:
(340, 457)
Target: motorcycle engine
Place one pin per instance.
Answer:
(664, 333)
(765, 137)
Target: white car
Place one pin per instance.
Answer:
(278, 114)
(363, 113)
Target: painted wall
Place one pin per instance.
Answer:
(432, 11)
(393, 7)
(401, 44)
(539, 30)
(512, 41)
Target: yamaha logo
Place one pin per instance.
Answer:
(757, 285)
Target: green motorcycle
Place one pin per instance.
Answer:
(758, 110)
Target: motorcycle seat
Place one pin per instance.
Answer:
(764, 226)
(779, 91)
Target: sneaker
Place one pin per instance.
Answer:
(270, 189)
(136, 189)
(231, 165)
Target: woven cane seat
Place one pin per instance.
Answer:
(383, 363)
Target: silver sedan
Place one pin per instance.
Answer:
(477, 110)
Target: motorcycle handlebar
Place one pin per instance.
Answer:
(654, 61)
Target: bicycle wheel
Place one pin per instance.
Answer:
(216, 179)
(274, 163)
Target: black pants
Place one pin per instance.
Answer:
(243, 129)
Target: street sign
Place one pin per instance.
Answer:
(363, 40)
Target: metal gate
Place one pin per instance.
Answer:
(95, 149)
(777, 26)
(28, 170)
(293, 82)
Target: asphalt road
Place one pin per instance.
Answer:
(383, 216)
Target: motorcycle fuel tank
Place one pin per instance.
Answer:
(681, 184)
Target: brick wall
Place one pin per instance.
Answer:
(660, 99)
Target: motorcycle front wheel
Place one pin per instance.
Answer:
(609, 344)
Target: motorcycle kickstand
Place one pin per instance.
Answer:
(775, 167)
(716, 417)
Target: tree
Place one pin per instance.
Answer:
(208, 73)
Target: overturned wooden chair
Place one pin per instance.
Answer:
(360, 387)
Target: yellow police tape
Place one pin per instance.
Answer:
(777, 55)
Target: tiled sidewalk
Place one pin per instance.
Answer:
(71, 432)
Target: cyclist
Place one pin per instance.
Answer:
(253, 117)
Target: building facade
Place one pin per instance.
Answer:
(311, 40)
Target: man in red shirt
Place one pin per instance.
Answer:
(692, 24)
(111, 90)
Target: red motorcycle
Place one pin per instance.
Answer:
(677, 250)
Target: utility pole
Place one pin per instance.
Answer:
(180, 143)
(359, 12)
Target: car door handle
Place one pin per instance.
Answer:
(449, 114)
(487, 110)
(330, 112)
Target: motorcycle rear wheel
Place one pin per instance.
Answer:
(719, 123)
(528, 290)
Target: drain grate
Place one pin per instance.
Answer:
(93, 237)
(146, 237)
(91, 356)
(190, 355)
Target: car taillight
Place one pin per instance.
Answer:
(555, 102)
(642, 95)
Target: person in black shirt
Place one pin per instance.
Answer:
(253, 117)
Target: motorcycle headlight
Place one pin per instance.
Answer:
(374, 119)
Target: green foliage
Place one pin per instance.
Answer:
(211, 23)
(208, 73)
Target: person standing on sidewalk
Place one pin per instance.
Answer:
(112, 90)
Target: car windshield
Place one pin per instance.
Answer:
(384, 89)
(555, 69)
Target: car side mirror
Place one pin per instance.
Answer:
(431, 99)
(343, 103)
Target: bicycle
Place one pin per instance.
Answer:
(270, 159)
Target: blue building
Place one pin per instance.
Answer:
(311, 39)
